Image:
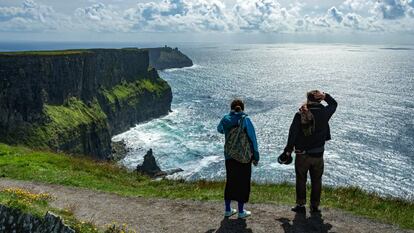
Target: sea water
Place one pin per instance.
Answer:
(372, 144)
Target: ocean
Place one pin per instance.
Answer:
(372, 144)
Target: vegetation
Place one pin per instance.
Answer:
(59, 52)
(64, 123)
(25, 164)
(129, 93)
(45, 52)
(36, 204)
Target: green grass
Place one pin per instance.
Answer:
(25, 164)
(45, 52)
(130, 93)
(64, 123)
(37, 205)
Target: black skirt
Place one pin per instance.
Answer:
(238, 177)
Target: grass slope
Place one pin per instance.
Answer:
(25, 164)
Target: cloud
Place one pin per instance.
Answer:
(335, 14)
(30, 16)
(264, 16)
(391, 9)
(102, 18)
(180, 15)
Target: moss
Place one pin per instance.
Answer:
(65, 123)
(130, 93)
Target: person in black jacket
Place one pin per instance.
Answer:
(307, 136)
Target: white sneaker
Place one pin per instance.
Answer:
(245, 214)
(230, 213)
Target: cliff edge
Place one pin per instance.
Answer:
(167, 57)
(75, 100)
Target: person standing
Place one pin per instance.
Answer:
(307, 136)
(240, 151)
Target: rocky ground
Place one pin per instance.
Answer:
(162, 215)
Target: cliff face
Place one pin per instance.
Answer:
(166, 58)
(14, 220)
(76, 100)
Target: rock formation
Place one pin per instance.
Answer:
(166, 58)
(14, 220)
(150, 167)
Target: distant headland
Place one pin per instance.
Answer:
(167, 58)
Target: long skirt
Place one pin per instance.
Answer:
(238, 177)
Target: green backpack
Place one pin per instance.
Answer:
(237, 144)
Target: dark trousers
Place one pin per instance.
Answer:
(303, 164)
(238, 177)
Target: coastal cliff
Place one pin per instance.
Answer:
(167, 57)
(75, 100)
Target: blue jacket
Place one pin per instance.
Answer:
(231, 120)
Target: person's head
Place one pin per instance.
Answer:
(237, 105)
(311, 96)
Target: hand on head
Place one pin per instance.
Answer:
(319, 95)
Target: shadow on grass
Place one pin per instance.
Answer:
(232, 226)
(301, 224)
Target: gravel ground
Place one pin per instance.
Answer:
(163, 215)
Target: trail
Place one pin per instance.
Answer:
(163, 215)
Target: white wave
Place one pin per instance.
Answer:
(194, 66)
(196, 166)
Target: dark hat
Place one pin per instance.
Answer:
(285, 159)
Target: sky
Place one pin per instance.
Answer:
(250, 21)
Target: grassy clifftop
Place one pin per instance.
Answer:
(25, 164)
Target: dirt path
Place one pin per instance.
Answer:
(161, 215)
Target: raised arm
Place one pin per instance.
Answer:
(332, 104)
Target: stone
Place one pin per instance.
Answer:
(25, 223)
(150, 167)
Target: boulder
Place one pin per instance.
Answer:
(150, 167)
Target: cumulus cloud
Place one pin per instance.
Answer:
(101, 17)
(263, 15)
(180, 15)
(30, 16)
(213, 15)
(391, 9)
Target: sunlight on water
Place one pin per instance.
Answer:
(372, 130)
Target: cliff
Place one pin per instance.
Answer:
(166, 58)
(75, 100)
(14, 220)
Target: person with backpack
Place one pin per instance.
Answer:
(240, 152)
(307, 136)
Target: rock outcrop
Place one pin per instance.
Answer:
(14, 220)
(75, 100)
(150, 167)
(166, 58)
